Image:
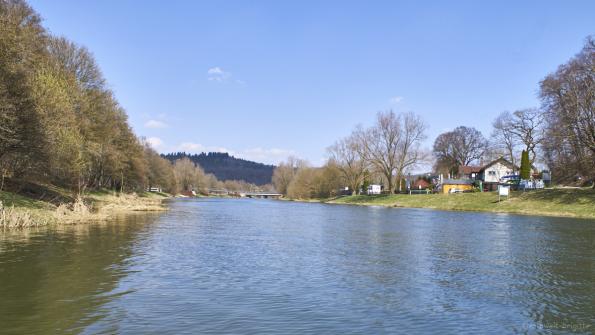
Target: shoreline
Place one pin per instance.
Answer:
(17, 211)
(561, 203)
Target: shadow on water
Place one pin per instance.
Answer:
(55, 280)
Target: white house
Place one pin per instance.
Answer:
(374, 189)
(492, 173)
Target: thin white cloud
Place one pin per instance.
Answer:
(217, 74)
(155, 124)
(155, 142)
(395, 100)
(215, 71)
(191, 147)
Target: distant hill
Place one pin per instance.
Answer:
(226, 167)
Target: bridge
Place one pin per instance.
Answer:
(263, 195)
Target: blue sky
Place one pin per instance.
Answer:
(266, 79)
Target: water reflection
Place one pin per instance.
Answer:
(257, 266)
(56, 280)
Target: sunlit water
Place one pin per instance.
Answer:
(264, 266)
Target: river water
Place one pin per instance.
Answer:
(263, 266)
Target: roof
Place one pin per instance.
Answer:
(457, 182)
(466, 169)
(500, 160)
(422, 183)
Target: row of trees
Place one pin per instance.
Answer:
(383, 152)
(560, 135)
(189, 176)
(61, 124)
(296, 179)
(568, 97)
(512, 133)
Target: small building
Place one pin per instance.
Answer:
(469, 172)
(374, 189)
(492, 173)
(218, 192)
(420, 184)
(344, 191)
(188, 193)
(457, 185)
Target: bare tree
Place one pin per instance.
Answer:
(461, 146)
(503, 138)
(410, 154)
(347, 155)
(568, 97)
(380, 144)
(285, 172)
(392, 144)
(527, 126)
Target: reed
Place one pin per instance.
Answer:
(15, 218)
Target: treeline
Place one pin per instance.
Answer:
(228, 168)
(59, 122)
(559, 135)
(381, 154)
(190, 176)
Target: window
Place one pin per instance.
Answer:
(492, 173)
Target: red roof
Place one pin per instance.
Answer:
(420, 182)
(465, 169)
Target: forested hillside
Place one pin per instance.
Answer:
(60, 124)
(226, 167)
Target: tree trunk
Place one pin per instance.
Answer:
(390, 183)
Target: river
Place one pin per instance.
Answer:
(263, 266)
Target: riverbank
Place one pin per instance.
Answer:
(51, 205)
(577, 203)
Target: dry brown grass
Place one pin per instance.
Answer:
(78, 211)
(129, 203)
(92, 208)
(11, 217)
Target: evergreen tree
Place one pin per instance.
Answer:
(366, 181)
(525, 165)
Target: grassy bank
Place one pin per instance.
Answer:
(578, 203)
(41, 205)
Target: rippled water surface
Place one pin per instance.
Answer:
(263, 266)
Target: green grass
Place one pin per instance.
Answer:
(154, 195)
(550, 202)
(11, 199)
